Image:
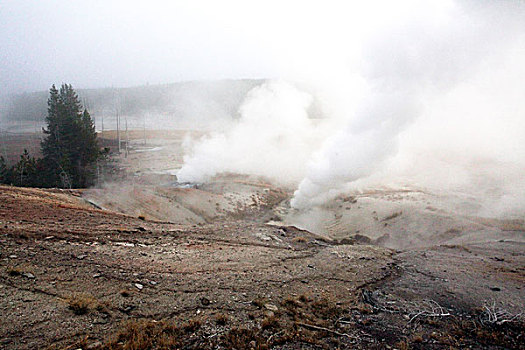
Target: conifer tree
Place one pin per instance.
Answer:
(24, 173)
(70, 148)
(4, 171)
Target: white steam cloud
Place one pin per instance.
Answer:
(439, 102)
(274, 137)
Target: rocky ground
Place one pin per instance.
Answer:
(73, 276)
(145, 263)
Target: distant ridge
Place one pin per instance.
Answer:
(182, 102)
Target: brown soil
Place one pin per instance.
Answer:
(199, 268)
(73, 276)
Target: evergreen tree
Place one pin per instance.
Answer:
(24, 173)
(4, 171)
(70, 148)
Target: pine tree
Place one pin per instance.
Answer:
(24, 173)
(4, 171)
(70, 148)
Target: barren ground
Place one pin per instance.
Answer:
(172, 267)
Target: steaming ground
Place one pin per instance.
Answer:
(229, 263)
(400, 217)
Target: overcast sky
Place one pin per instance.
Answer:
(123, 43)
(100, 43)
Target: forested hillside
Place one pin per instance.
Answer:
(181, 102)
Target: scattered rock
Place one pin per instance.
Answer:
(100, 320)
(127, 308)
(205, 301)
(495, 289)
(28, 275)
(153, 283)
(97, 275)
(271, 307)
(139, 286)
(94, 345)
(82, 256)
(13, 256)
(269, 313)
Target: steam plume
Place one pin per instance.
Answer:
(442, 106)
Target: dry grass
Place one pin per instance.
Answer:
(19, 270)
(82, 303)
(271, 322)
(300, 239)
(221, 319)
(259, 302)
(125, 293)
(15, 270)
(279, 329)
(150, 334)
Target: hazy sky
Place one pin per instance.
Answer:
(123, 43)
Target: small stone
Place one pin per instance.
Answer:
(271, 307)
(139, 286)
(205, 301)
(94, 345)
(82, 256)
(269, 313)
(100, 320)
(495, 289)
(153, 283)
(13, 256)
(127, 308)
(253, 344)
(97, 275)
(28, 275)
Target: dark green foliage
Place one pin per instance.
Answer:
(24, 173)
(70, 148)
(3, 170)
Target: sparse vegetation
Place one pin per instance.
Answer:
(221, 319)
(14, 271)
(82, 303)
(125, 293)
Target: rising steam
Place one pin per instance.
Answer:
(441, 99)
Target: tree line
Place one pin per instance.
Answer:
(70, 149)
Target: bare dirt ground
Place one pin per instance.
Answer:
(220, 266)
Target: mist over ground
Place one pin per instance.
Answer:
(434, 100)
(420, 94)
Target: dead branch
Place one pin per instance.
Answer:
(274, 335)
(495, 315)
(317, 328)
(429, 308)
